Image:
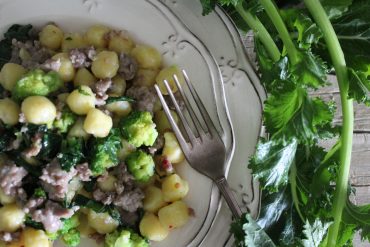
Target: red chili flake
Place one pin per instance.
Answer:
(177, 185)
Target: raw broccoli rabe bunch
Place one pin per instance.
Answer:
(125, 238)
(67, 119)
(141, 165)
(71, 153)
(103, 152)
(37, 82)
(138, 128)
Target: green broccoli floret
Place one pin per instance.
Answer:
(67, 119)
(125, 238)
(138, 128)
(103, 152)
(37, 82)
(68, 225)
(141, 165)
(71, 238)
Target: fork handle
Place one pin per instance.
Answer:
(227, 193)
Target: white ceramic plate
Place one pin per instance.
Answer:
(197, 44)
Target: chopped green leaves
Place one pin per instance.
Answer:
(112, 99)
(71, 153)
(98, 207)
(16, 31)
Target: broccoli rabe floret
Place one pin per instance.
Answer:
(71, 238)
(140, 165)
(125, 238)
(37, 82)
(138, 128)
(67, 119)
(103, 152)
(68, 225)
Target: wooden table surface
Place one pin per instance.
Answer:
(360, 164)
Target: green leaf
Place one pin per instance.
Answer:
(359, 86)
(335, 8)
(255, 236)
(248, 233)
(279, 218)
(293, 114)
(353, 30)
(71, 153)
(98, 207)
(359, 216)
(314, 233)
(311, 70)
(302, 27)
(272, 161)
(230, 2)
(280, 109)
(31, 223)
(208, 6)
(112, 99)
(308, 31)
(16, 31)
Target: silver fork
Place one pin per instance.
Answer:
(204, 150)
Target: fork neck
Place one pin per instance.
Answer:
(228, 194)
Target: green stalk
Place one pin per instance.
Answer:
(337, 57)
(255, 24)
(293, 188)
(279, 24)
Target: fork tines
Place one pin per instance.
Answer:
(201, 132)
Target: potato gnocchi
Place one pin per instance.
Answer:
(86, 142)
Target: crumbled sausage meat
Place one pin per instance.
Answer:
(32, 204)
(11, 179)
(127, 66)
(130, 200)
(126, 196)
(102, 86)
(37, 54)
(84, 172)
(51, 215)
(78, 58)
(145, 98)
(103, 197)
(55, 181)
(35, 147)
